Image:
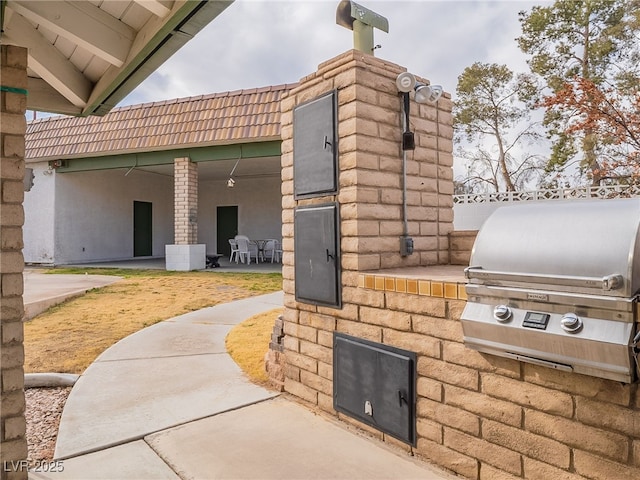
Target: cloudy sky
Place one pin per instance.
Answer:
(258, 43)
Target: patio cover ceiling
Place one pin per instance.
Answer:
(87, 55)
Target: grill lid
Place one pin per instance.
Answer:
(582, 246)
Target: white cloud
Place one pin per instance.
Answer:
(259, 43)
(256, 43)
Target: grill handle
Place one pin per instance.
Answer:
(608, 282)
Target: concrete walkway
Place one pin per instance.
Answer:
(160, 264)
(169, 403)
(43, 290)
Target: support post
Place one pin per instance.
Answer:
(185, 254)
(13, 104)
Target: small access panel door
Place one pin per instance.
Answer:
(315, 148)
(375, 383)
(317, 259)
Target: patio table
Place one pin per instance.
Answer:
(260, 243)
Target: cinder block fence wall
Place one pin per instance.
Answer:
(478, 415)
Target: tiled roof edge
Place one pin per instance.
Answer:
(271, 88)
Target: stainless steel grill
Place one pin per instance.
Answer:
(557, 284)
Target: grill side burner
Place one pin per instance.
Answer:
(557, 284)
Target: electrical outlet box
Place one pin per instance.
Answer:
(406, 246)
(408, 141)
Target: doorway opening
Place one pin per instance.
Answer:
(226, 228)
(142, 229)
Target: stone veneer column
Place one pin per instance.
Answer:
(370, 199)
(186, 254)
(13, 76)
(370, 165)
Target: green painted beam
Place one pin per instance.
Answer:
(165, 157)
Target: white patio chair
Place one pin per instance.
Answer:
(272, 250)
(245, 252)
(253, 248)
(278, 252)
(234, 250)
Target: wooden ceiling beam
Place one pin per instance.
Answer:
(47, 62)
(155, 7)
(43, 97)
(82, 23)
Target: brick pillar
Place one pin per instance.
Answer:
(185, 201)
(370, 196)
(13, 102)
(185, 254)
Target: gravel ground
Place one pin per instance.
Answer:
(43, 411)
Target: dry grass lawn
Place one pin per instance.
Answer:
(248, 343)
(68, 337)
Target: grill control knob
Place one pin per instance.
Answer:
(502, 313)
(571, 322)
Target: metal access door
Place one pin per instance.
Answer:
(317, 259)
(315, 147)
(375, 383)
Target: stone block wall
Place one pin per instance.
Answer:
(478, 415)
(483, 416)
(460, 246)
(370, 181)
(370, 166)
(13, 102)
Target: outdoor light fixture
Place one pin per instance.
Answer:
(231, 182)
(57, 164)
(423, 93)
(427, 93)
(406, 82)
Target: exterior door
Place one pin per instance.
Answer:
(226, 228)
(142, 229)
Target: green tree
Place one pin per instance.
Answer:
(492, 114)
(595, 40)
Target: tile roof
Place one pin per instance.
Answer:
(230, 117)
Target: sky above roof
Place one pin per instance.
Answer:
(256, 43)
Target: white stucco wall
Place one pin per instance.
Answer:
(88, 216)
(39, 215)
(94, 214)
(259, 204)
(471, 216)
